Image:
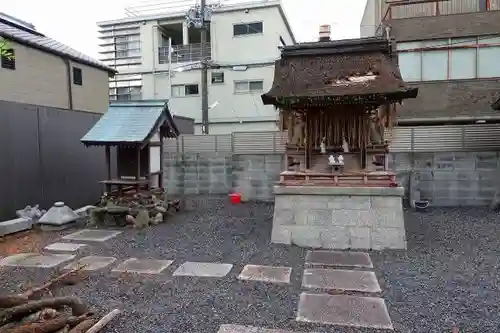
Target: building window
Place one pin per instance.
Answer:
(218, 77)
(487, 58)
(182, 90)
(8, 59)
(127, 46)
(449, 59)
(128, 94)
(248, 86)
(77, 76)
(243, 29)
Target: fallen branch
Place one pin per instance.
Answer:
(50, 326)
(30, 292)
(84, 326)
(14, 313)
(11, 300)
(45, 314)
(104, 321)
(19, 299)
(65, 329)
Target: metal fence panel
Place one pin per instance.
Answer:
(258, 142)
(478, 137)
(437, 138)
(482, 137)
(400, 139)
(19, 158)
(70, 171)
(237, 143)
(42, 159)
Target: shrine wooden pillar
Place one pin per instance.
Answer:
(138, 170)
(308, 145)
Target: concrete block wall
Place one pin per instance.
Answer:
(449, 178)
(255, 175)
(339, 218)
(220, 174)
(443, 178)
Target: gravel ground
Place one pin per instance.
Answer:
(447, 277)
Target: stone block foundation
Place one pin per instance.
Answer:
(339, 217)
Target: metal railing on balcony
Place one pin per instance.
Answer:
(402, 9)
(183, 53)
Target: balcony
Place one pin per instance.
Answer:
(183, 53)
(403, 9)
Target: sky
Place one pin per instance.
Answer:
(74, 22)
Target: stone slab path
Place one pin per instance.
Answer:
(355, 310)
(249, 329)
(322, 273)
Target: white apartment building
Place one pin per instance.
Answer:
(243, 41)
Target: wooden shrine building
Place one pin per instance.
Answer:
(336, 99)
(129, 127)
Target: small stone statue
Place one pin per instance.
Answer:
(32, 213)
(323, 146)
(336, 160)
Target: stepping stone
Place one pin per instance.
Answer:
(332, 258)
(65, 247)
(92, 235)
(203, 269)
(92, 263)
(35, 260)
(343, 310)
(143, 266)
(362, 281)
(248, 329)
(271, 274)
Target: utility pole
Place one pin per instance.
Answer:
(200, 16)
(204, 69)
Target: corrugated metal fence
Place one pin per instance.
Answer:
(481, 137)
(43, 161)
(236, 143)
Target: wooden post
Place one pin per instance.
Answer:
(138, 174)
(160, 178)
(308, 141)
(108, 162)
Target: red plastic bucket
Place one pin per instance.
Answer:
(235, 198)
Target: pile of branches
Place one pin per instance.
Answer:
(31, 312)
(137, 209)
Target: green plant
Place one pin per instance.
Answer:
(5, 50)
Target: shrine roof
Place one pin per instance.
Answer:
(352, 71)
(133, 122)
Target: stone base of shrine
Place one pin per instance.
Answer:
(333, 217)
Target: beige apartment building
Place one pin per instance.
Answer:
(44, 72)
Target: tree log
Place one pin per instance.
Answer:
(19, 299)
(65, 329)
(12, 300)
(17, 312)
(84, 326)
(104, 321)
(49, 326)
(30, 292)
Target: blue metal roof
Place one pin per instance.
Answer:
(130, 122)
